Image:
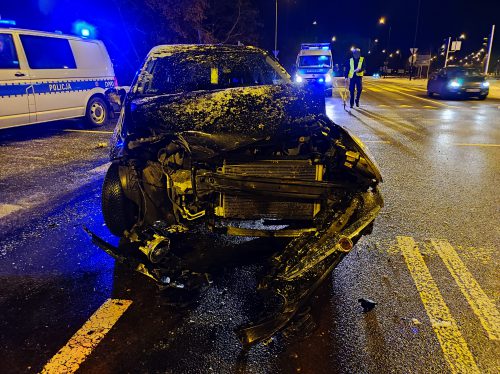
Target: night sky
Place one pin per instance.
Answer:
(353, 23)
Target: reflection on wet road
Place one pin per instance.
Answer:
(431, 263)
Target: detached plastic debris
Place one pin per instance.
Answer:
(367, 304)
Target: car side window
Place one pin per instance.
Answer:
(45, 52)
(8, 54)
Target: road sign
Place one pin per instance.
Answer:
(412, 59)
(423, 60)
(413, 50)
(456, 45)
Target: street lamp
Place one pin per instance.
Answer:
(462, 36)
(334, 38)
(383, 21)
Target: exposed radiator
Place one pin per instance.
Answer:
(243, 207)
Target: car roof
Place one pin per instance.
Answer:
(43, 33)
(169, 49)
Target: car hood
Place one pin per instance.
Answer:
(254, 113)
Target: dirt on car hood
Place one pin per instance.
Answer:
(249, 112)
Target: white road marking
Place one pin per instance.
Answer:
(100, 169)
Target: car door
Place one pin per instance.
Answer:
(431, 84)
(52, 68)
(17, 104)
(441, 82)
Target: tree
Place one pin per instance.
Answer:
(231, 21)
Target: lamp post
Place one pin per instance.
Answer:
(276, 32)
(489, 50)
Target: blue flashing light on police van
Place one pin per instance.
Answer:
(7, 22)
(84, 29)
(315, 46)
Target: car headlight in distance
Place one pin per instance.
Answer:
(454, 84)
(485, 84)
(298, 79)
(328, 78)
(321, 80)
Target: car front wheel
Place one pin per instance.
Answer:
(97, 112)
(120, 213)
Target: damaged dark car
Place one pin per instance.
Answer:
(217, 138)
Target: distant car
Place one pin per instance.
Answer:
(458, 81)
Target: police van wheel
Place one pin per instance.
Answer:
(97, 112)
(119, 212)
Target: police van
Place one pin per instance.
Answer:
(314, 64)
(49, 76)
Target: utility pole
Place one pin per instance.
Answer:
(415, 37)
(276, 32)
(489, 50)
(447, 50)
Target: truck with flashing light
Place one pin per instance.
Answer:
(314, 64)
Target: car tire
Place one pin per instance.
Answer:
(119, 212)
(482, 97)
(430, 94)
(97, 113)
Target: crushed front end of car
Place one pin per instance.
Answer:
(218, 158)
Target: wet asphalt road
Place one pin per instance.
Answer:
(431, 263)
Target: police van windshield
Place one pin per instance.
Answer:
(193, 71)
(315, 61)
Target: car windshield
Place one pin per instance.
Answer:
(315, 61)
(462, 72)
(193, 71)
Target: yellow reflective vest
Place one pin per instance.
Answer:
(360, 64)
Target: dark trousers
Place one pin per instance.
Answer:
(355, 83)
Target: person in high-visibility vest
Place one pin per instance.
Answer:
(354, 71)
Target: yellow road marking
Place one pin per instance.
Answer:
(6, 209)
(70, 357)
(455, 349)
(90, 131)
(430, 107)
(383, 105)
(476, 145)
(480, 303)
(416, 97)
(405, 106)
(374, 89)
